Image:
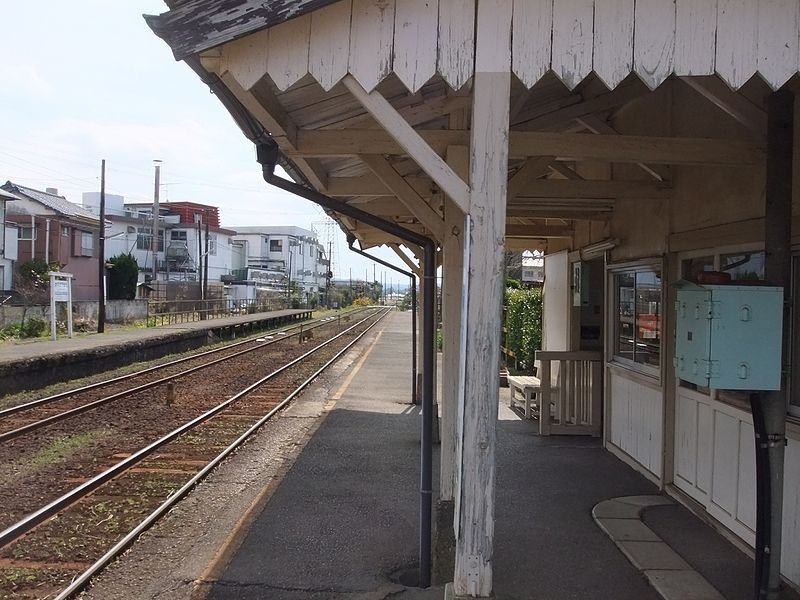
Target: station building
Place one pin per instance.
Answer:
(639, 145)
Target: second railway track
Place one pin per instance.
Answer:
(95, 513)
(29, 416)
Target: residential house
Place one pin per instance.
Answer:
(281, 256)
(54, 229)
(8, 244)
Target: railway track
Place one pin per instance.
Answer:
(102, 515)
(23, 418)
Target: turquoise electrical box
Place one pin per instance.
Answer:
(729, 337)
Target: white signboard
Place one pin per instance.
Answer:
(61, 290)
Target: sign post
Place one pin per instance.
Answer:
(60, 291)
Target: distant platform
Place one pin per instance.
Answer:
(30, 365)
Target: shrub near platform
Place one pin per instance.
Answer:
(524, 326)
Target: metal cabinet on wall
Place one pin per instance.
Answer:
(728, 337)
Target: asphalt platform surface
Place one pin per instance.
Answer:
(343, 523)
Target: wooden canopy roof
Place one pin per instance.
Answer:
(334, 83)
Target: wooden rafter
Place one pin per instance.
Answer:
(412, 144)
(733, 104)
(597, 126)
(573, 146)
(405, 193)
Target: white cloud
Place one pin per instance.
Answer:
(25, 79)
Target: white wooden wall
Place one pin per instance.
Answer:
(417, 38)
(636, 419)
(557, 302)
(790, 557)
(715, 460)
(715, 465)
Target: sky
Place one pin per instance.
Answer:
(87, 80)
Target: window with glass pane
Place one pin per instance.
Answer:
(692, 267)
(743, 266)
(638, 316)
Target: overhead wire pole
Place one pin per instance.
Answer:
(154, 244)
(101, 249)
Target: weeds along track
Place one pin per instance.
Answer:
(108, 480)
(29, 416)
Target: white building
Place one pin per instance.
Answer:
(280, 256)
(8, 243)
(181, 238)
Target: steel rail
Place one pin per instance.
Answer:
(23, 526)
(100, 401)
(118, 548)
(61, 395)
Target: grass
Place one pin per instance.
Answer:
(58, 451)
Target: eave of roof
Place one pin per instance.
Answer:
(197, 25)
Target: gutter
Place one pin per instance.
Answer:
(269, 156)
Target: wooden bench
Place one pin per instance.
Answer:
(528, 386)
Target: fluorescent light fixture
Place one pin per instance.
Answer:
(598, 248)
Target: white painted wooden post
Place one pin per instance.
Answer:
(452, 291)
(488, 176)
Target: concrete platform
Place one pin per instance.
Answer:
(37, 364)
(334, 513)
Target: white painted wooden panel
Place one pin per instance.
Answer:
(557, 302)
(456, 41)
(636, 420)
(531, 39)
(695, 31)
(573, 24)
(705, 444)
(654, 51)
(778, 23)
(371, 36)
(724, 484)
(746, 488)
(790, 556)
(416, 25)
(287, 57)
(613, 40)
(737, 36)
(330, 43)
(246, 58)
(686, 422)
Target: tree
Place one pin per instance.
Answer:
(123, 277)
(32, 283)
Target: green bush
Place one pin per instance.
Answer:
(524, 325)
(122, 277)
(31, 328)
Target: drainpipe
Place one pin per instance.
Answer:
(268, 155)
(413, 285)
(47, 241)
(769, 408)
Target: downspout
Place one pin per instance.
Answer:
(413, 285)
(268, 155)
(47, 241)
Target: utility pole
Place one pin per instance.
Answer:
(329, 274)
(154, 245)
(205, 268)
(200, 257)
(101, 249)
